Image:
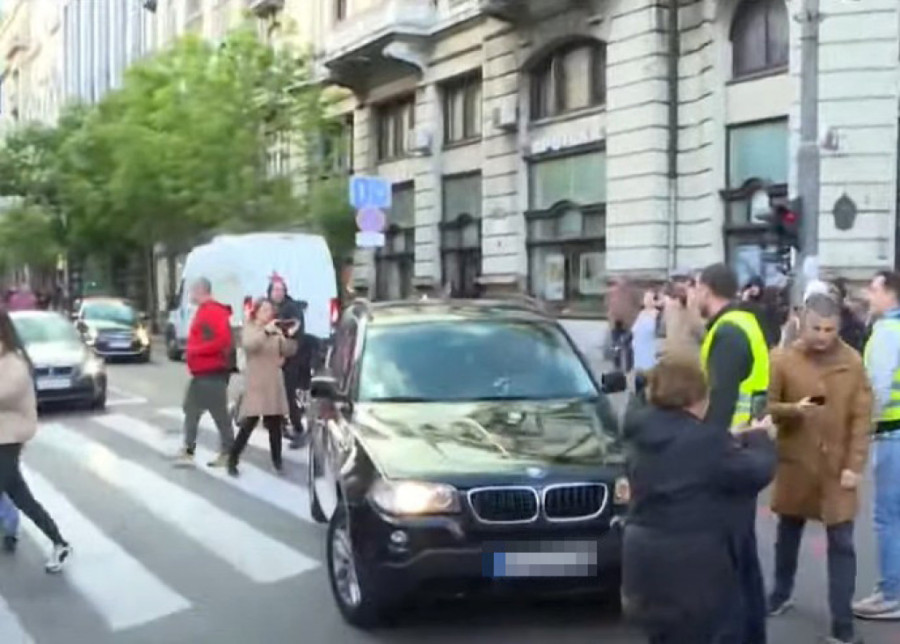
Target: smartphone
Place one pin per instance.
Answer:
(758, 405)
(817, 400)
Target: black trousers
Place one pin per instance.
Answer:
(841, 570)
(14, 485)
(274, 425)
(291, 375)
(746, 623)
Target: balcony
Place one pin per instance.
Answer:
(522, 11)
(381, 43)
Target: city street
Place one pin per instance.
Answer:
(192, 556)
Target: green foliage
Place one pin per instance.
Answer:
(181, 149)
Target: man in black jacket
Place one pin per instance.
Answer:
(289, 310)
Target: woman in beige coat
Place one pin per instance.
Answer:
(265, 347)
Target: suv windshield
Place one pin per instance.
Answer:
(117, 312)
(45, 328)
(464, 360)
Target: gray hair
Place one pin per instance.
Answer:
(203, 284)
(823, 305)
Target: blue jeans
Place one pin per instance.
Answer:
(9, 517)
(886, 462)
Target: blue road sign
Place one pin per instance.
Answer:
(370, 192)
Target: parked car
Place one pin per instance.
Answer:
(114, 328)
(462, 446)
(66, 369)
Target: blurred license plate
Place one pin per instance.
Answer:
(50, 383)
(120, 344)
(544, 560)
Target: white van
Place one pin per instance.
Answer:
(240, 267)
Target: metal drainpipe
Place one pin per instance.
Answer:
(672, 62)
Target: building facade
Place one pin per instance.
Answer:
(546, 146)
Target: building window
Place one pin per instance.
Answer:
(340, 10)
(571, 78)
(760, 40)
(395, 123)
(567, 230)
(395, 262)
(462, 109)
(757, 158)
(335, 155)
(461, 234)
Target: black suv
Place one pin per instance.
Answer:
(460, 446)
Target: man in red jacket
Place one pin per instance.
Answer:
(208, 356)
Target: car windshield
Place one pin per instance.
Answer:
(471, 360)
(117, 312)
(45, 328)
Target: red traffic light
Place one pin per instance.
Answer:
(789, 217)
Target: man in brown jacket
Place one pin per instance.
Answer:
(820, 398)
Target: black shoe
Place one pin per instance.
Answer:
(233, 469)
(10, 544)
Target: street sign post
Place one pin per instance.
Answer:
(370, 196)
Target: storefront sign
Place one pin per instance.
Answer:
(590, 134)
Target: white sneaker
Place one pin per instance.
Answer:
(877, 607)
(183, 459)
(57, 559)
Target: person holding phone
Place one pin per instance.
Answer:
(821, 401)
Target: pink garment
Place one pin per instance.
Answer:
(22, 301)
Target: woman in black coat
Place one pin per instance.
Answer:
(686, 477)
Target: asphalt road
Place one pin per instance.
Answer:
(191, 557)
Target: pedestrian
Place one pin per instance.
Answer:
(882, 359)
(623, 304)
(267, 346)
(18, 425)
(735, 356)
(290, 311)
(819, 396)
(682, 326)
(853, 329)
(643, 333)
(686, 476)
(23, 299)
(9, 523)
(208, 356)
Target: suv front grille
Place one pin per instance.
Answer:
(504, 504)
(575, 502)
(54, 372)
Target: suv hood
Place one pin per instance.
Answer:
(440, 440)
(109, 325)
(57, 354)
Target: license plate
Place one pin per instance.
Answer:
(570, 560)
(120, 344)
(51, 383)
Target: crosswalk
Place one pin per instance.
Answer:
(98, 474)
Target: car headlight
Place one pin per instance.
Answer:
(414, 498)
(93, 366)
(142, 336)
(622, 491)
(90, 335)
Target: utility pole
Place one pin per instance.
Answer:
(808, 157)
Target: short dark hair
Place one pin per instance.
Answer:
(204, 284)
(721, 280)
(823, 305)
(891, 281)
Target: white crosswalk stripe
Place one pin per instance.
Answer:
(102, 569)
(258, 439)
(249, 551)
(273, 490)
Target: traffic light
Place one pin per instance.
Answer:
(786, 214)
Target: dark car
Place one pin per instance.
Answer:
(460, 447)
(114, 328)
(66, 370)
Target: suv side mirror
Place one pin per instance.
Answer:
(613, 382)
(325, 387)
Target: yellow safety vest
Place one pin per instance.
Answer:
(892, 410)
(758, 380)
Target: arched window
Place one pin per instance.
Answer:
(571, 77)
(759, 37)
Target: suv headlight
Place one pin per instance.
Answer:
(92, 366)
(622, 491)
(142, 336)
(414, 497)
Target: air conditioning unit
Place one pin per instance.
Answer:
(418, 140)
(505, 115)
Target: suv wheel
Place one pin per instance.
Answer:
(315, 508)
(361, 604)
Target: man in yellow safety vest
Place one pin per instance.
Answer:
(735, 356)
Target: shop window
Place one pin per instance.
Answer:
(462, 109)
(395, 262)
(461, 234)
(760, 39)
(567, 231)
(757, 157)
(572, 77)
(395, 123)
